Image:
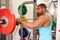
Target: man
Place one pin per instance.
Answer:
(43, 22)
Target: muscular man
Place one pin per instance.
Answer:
(43, 22)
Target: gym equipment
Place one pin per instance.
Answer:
(24, 9)
(7, 21)
(53, 25)
(29, 35)
(2, 21)
(23, 39)
(24, 17)
(37, 32)
(25, 32)
(34, 15)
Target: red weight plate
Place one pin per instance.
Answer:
(10, 23)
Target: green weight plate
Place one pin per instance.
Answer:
(24, 11)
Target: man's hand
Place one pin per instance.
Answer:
(19, 19)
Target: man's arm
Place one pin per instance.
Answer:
(39, 22)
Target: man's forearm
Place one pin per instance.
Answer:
(27, 24)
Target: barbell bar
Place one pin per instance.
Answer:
(2, 21)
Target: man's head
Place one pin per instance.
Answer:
(41, 9)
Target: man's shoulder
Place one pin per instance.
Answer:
(45, 17)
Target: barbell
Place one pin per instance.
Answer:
(8, 21)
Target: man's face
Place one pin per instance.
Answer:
(41, 10)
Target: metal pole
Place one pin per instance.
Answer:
(21, 25)
(34, 16)
(28, 2)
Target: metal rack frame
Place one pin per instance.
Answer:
(34, 15)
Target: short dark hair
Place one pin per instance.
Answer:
(42, 5)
